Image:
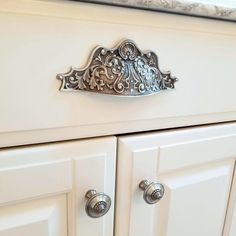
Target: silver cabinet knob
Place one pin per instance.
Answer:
(153, 191)
(98, 204)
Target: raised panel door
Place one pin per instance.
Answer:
(44, 217)
(194, 165)
(43, 187)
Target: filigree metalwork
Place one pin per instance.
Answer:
(124, 70)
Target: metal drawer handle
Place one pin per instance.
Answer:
(153, 191)
(123, 70)
(98, 204)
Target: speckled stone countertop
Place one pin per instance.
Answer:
(222, 9)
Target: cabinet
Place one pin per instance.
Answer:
(43, 185)
(43, 188)
(194, 165)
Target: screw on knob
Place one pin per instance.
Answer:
(156, 195)
(153, 191)
(100, 207)
(98, 204)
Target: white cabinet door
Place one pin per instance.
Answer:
(194, 165)
(43, 187)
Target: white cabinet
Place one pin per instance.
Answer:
(195, 166)
(43, 188)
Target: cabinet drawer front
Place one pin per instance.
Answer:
(38, 43)
(195, 167)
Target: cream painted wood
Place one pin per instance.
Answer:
(26, 181)
(230, 223)
(67, 170)
(44, 217)
(95, 170)
(34, 172)
(195, 165)
(42, 38)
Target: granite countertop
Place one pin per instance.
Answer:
(220, 9)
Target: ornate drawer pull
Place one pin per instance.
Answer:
(152, 191)
(98, 204)
(124, 70)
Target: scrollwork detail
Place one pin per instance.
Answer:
(123, 70)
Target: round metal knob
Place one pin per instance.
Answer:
(153, 191)
(98, 204)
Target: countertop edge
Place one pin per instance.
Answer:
(226, 10)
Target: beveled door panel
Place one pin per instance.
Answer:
(44, 217)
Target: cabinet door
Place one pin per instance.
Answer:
(194, 165)
(43, 188)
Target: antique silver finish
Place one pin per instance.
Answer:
(124, 70)
(98, 204)
(153, 192)
(222, 9)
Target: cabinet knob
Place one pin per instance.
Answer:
(98, 204)
(153, 191)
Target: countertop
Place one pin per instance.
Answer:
(218, 9)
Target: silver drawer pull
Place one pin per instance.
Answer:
(153, 191)
(123, 70)
(98, 204)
